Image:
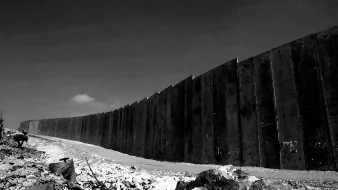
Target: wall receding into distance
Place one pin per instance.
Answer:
(278, 109)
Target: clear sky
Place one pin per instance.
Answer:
(71, 58)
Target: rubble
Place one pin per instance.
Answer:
(42, 165)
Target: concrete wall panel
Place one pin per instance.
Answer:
(188, 127)
(326, 51)
(113, 144)
(234, 137)
(318, 153)
(33, 127)
(248, 113)
(197, 119)
(157, 128)
(131, 130)
(289, 123)
(125, 129)
(266, 114)
(151, 112)
(208, 143)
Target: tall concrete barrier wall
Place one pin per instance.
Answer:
(277, 109)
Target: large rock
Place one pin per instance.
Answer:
(226, 177)
(210, 179)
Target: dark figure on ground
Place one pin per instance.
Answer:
(21, 138)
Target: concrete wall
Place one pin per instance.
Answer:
(275, 110)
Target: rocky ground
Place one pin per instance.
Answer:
(28, 168)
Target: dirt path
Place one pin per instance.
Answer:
(192, 168)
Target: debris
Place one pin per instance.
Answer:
(20, 139)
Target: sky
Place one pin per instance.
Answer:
(73, 58)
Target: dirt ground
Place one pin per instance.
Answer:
(308, 179)
(28, 167)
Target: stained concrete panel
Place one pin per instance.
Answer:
(149, 152)
(136, 128)
(113, 144)
(157, 128)
(98, 128)
(140, 123)
(119, 130)
(207, 153)
(78, 126)
(219, 114)
(125, 129)
(85, 128)
(107, 129)
(175, 120)
(188, 127)
(197, 119)
(58, 127)
(131, 130)
(41, 127)
(234, 137)
(104, 129)
(326, 51)
(269, 148)
(288, 123)
(66, 128)
(164, 112)
(248, 113)
(318, 153)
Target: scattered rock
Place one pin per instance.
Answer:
(210, 179)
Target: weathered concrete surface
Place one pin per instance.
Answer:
(78, 126)
(149, 153)
(42, 127)
(197, 119)
(108, 129)
(219, 114)
(119, 130)
(157, 129)
(288, 123)
(85, 128)
(327, 56)
(33, 127)
(266, 115)
(71, 127)
(104, 129)
(318, 153)
(66, 128)
(130, 129)
(162, 119)
(140, 117)
(175, 121)
(188, 127)
(234, 137)
(113, 144)
(277, 111)
(124, 128)
(248, 113)
(207, 152)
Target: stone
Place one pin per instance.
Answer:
(210, 179)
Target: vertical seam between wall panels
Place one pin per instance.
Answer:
(257, 115)
(296, 90)
(321, 83)
(276, 111)
(239, 116)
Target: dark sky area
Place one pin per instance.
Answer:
(71, 58)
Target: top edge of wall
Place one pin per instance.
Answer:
(326, 31)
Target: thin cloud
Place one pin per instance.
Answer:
(83, 98)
